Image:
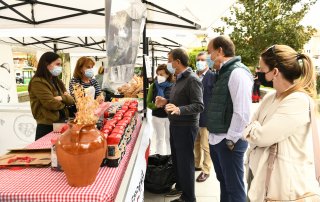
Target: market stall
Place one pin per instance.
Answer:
(45, 184)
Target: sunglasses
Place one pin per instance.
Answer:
(273, 50)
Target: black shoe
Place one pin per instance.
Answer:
(197, 169)
(174, 192)
(178, 200)
(202, 177)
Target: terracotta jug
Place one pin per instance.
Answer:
(80, 151)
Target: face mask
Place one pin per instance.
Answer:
(56, 71)
(263, 81)
(209, 61)
(89, 73)
(201, 65)
(161, 79)
(170, 68)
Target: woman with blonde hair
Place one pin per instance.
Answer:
(282, 124)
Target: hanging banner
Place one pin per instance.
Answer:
(8, 89)
(124, 24)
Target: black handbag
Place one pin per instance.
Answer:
(160, 174)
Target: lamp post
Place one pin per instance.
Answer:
(203, 43)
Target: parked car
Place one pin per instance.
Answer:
(19, 80)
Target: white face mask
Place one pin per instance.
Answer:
(56, 71)
(161, 79)
(170, 68)
(201, 65)
(89, 73)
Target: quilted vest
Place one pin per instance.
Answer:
(220, 107)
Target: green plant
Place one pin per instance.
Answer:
(22, 88)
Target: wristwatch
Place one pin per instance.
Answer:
(230, 144)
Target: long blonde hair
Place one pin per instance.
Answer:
(295, 67)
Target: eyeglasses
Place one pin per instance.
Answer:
(278, 63)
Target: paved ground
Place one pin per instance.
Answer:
(208, 191)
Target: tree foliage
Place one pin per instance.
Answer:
(258, 24)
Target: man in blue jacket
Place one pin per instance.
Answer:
(183, 108)
(201, 147)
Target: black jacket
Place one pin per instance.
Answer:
(186, 94)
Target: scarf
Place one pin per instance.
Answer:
(161, 87)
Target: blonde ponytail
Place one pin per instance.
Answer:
(306, 83)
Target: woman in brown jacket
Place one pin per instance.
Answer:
(48, 95)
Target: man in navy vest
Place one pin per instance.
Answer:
(202, 157)
(228, 113)
(183, 108)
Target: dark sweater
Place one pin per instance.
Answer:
(186, 94)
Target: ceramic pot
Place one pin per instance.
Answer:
(80, 151)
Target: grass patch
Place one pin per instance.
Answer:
(22, 88)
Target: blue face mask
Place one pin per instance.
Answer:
(56, 71)
(89, 73)
(201, 65)
(170, 68)
(210, 62)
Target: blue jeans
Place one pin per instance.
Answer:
(229, 169)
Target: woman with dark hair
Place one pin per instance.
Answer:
(281, 164)
(160, 87)
(83, 75)
(48, 95)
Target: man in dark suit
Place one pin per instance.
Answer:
(183, 108)
(202, 157)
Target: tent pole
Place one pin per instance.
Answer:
(55, 48)
(152, 70)
(144, 70)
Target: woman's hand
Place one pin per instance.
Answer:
(100, 99)
(59, 98)
(160, 101)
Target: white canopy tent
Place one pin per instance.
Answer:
(184, 21)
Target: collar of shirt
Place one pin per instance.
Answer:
(223, 63)
(180, 74)
(202, 75)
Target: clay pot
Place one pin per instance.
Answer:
(80, 151)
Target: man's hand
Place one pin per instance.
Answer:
(172, 109)
(160, 101)
(230, 144)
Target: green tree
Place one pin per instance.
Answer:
(193, 56)
(258, 24)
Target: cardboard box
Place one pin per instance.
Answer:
(26, 157)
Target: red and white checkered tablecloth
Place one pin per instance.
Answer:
(44, 185)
